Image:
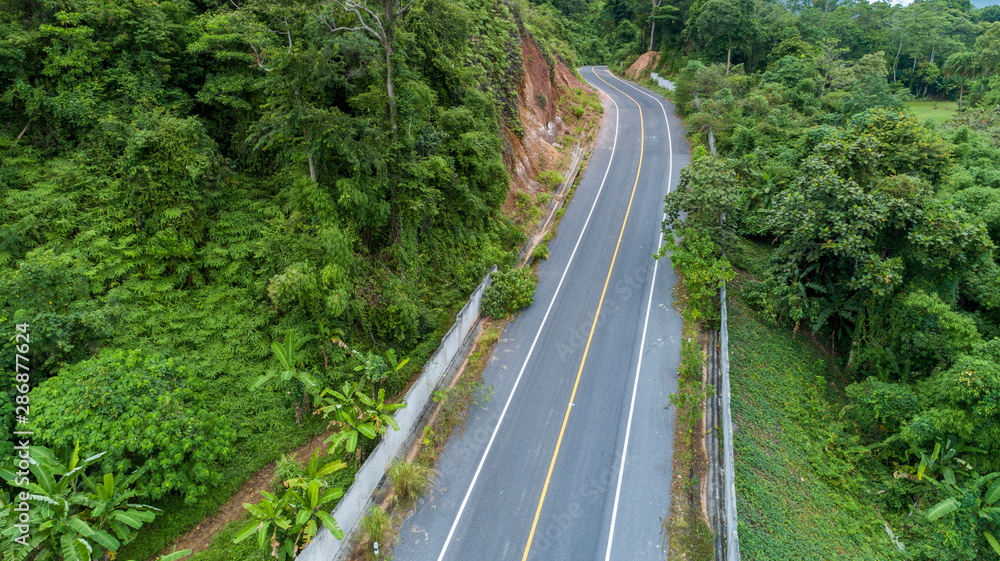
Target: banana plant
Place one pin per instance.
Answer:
(288, 369)
(986, 508)
(355, 413)
(76, 522)
(109, 509)
(944, 457)
(286, 524)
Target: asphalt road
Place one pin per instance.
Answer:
(581, 379)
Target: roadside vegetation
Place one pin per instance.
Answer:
(799, 471)
(221, 218)
(686, 529)
(866, 322)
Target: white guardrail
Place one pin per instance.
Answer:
(729, 468)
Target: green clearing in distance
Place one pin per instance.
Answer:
(937, 111)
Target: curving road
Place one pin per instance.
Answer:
(572, 457)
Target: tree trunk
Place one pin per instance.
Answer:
(895, 63)
(388, 83)
(309, 151)
(961, 90)
(729, 57)
(652, 34)
(305, 135)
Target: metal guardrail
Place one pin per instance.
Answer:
(724, 413)
(729, 468)
(663, 82)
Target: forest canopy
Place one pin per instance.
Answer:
(879, 213)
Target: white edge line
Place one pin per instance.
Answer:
(642, 342)
(517, 381)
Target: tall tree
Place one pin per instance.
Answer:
(378, 21)
(663, 13)
(733, 21)
(964, 65)
(988, 48)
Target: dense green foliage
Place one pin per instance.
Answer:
(186, 183)
(69, 515)
(882, 233)
(146, 412)
(702, 268)
(510, 292)
(800, 484)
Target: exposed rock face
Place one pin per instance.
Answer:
(541, 119)
(643, 64)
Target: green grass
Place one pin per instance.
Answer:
(937, 111)
(796, 478)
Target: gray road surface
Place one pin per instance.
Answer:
(485, 500)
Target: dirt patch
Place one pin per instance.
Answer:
(643, 64)
(201, 536)
(543, 117)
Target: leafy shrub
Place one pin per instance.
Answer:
(965, 400)
(756, 295)
(541, 251)
(543, 199)
(522, 201)
(144, 411)
(551, 179)
(7, 413)
(931, 332)
(511, 291)
(50, 292)
(703, 268)
(881, 404)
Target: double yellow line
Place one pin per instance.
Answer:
(593, 326)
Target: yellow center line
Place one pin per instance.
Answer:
(593, 326)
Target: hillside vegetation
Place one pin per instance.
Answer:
(865, 364)
(212, 211)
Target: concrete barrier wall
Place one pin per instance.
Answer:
(663, 82)
(355, 502)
